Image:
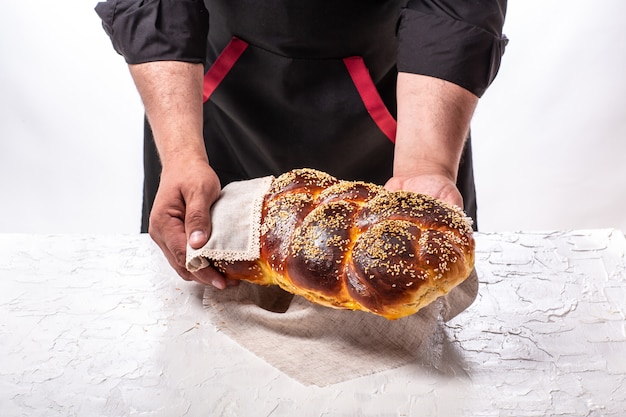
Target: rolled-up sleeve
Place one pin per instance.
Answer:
(458, 41)
(156, 30)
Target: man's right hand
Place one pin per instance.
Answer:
(172, 95)
(181, 215)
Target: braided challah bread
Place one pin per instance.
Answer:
(355, 245)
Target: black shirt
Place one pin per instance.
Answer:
(295, 95)
(460, 41)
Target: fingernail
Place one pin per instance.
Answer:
(218, 283)
(197, 237)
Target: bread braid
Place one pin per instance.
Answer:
(355, 245)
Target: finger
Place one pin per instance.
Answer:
(452, 195)
(175, 251)
(199, 238)
(171, 258)
(210, 276)
(198, 219)
(175, 247)
(168, 233)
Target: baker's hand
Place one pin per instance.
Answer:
(181, 215)
(435, 185)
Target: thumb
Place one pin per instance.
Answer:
(197, 239)
(198, 222)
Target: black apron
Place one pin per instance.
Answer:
(300, 84)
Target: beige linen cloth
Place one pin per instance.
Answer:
(312, 344)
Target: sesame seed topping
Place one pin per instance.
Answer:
(321, 236)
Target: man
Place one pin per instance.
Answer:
(301, 83)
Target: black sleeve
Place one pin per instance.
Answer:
(156, 30)
(460, 41)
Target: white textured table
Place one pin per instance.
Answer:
(100, 326)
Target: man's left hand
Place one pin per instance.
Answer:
(434, 185)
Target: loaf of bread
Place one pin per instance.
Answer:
(355, 245)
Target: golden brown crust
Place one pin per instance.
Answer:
(357, 246)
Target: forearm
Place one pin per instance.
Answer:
(172, 95)
(433, 122)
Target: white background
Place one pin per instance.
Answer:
(549, 136)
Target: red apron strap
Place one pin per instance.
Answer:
(222, 65)
(373, 103)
